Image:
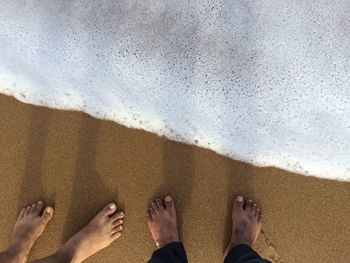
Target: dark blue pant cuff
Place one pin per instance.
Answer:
(172, 253)
(243, 253)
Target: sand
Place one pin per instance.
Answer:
(77, 164)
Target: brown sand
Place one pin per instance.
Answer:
(78, 164)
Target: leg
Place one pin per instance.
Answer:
(161, 219)
(106, 227)
(29, 226)
(246, 225)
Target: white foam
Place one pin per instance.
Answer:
(265, 82)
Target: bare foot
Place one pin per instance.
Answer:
(30, 224)
(106, 227)
(161, 219)
(246, 223)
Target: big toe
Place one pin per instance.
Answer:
(47, 214)
(238, 203)
(108, 210)
(169, 205)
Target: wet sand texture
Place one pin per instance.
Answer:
(78, 164)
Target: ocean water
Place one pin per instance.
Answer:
(266, 82)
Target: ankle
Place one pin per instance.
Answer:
(236, 241)
(7, 257)
(66, 254)
(163, 243)
(15, 253)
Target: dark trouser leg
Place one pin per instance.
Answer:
(244, 254)
(171, 253)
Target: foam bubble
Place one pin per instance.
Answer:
(265, 82)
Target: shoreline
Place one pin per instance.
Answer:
(78, 163)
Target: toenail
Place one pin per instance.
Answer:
(121, 213)
(112, 206)
(40, 202)
(48, 210)
(239, 198)
(168, 199)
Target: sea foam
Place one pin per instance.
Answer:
(266, 82)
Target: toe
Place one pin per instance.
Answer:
(108, 210)
(27, 210)
(152, 212)
(159, 204)
(169, 204)
(149, 217)
(155, 207)
(22, 213)
(238, 203)
(117, 216)
(260, 217)
(39, 207)
(32, 208)
(117, 229)
(117, 222)
(116, 235)
(253, 209)
(257, 212)
(47, 214)
(248, 205)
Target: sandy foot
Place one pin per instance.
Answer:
(29, 226)
(161, 219)
(246, 223)
(106, 227)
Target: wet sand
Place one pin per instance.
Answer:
(77, 164)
